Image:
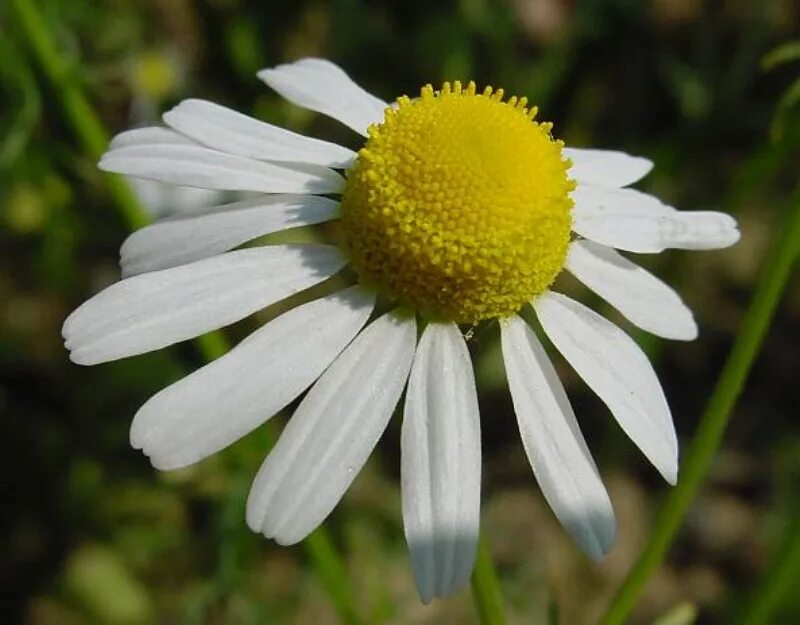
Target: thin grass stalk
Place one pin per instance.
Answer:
(486, 588)
(706, 441)
(779, 582)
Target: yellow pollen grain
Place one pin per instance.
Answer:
(459, 204)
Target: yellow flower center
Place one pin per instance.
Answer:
(459, 204)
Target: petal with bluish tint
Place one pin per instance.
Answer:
(553, 442)
(441, 463)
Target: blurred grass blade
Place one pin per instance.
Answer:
(18, 125)
(552, 612)
(93, 138)
(705, 443)
(486, 588)
(331, 572)
(682, 614)
(88, 129)
(784, 53)
(778, 583)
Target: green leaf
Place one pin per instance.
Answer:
(784, 53)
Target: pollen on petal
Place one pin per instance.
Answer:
(459, 204)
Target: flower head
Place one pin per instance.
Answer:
(460, 207)
(459, 204)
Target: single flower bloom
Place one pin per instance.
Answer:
(459, 208)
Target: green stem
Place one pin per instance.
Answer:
(331, 572)
(778, 583)
(93, 138)
(486, 588)
(709, 433)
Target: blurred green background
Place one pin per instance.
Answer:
(92, 534)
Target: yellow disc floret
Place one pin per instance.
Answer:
(459, 204)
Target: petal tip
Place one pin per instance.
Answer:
(668, 468)
(734, 235)
(170, 116)
(80, 357)
(266, 74)
(598, 539)
(670, 474)
(254, 517)
(72, 358)
(685, 331)
(104, 165)
(137, 435)
(162, 463)
(288, 538)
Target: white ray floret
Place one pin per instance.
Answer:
(153, 310)
(641, 297)
(149, 135)
(615, 368)
(606, 167)
(594, 200)
(229, 131)
(636, 222)
(248, 385)
(202, 234)
(441, 463)
(321, 86)
(198, 166)
(332, 432)
(553, 441)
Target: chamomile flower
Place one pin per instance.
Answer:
(459, 208)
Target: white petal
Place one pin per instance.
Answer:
(321, 86)
(593, 200)
(157, 309)
(553, 442)
(161, 199)
(441, 463)
(608, 168)
(149, 135)
(229, 131)
(197, 166)
(218, 404)
(641, 297)
(332, 433)
(178, 241)
(696, 230)
(617, 370)
(636, 222)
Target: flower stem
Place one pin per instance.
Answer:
(486, 588)
(93, 139)
(703, 447)
(778, 583)
(332, 574)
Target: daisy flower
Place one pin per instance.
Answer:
(459, 208)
